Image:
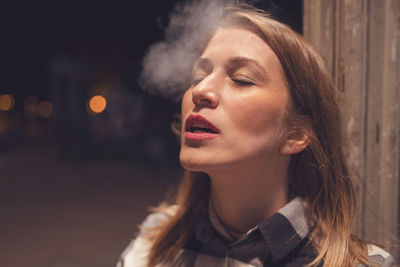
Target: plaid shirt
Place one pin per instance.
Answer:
(280, 240)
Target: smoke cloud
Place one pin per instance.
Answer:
(168, 64)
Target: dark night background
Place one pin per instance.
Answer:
(75, 184)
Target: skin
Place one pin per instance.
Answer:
(239, 85)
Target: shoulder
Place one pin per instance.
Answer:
(378, 256)
(155, 219)
(136, 253)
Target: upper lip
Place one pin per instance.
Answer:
(196, 120)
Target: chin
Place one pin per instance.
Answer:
(193, 166)
(206, 165)
(193, 163)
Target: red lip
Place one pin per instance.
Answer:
(199, 128)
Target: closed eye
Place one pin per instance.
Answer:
(243, 82)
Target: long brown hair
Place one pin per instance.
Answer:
(319, 174)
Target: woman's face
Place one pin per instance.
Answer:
(233, 113)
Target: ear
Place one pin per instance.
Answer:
(295, 142)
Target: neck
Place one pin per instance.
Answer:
(243, 197)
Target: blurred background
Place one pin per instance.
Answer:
(84, 151)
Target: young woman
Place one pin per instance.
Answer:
(267, 181)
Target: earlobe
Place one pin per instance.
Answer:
(294, 144)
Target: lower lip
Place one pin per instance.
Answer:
(200, 136)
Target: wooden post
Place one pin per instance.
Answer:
(360, 43)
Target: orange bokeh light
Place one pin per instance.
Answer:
(97, 104)
(45, 109)
(6, 102)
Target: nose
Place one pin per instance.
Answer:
(205, 93)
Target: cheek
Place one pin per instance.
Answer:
(259, 116)
(186, 103)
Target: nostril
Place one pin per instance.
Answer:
(206, 101)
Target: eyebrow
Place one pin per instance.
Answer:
(239, 62)
(234, 64)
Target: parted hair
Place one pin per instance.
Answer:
(319, 174)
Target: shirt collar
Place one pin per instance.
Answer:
(282, 232)
(286, 229)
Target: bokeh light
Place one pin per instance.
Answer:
(97, 104)
(45, 109)
(6, 102)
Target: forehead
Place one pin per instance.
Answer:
(238, 42)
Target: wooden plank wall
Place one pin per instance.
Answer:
(360, 43)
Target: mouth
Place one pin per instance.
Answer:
(198, 128)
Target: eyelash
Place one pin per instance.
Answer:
(243, 82)
(237, 81)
